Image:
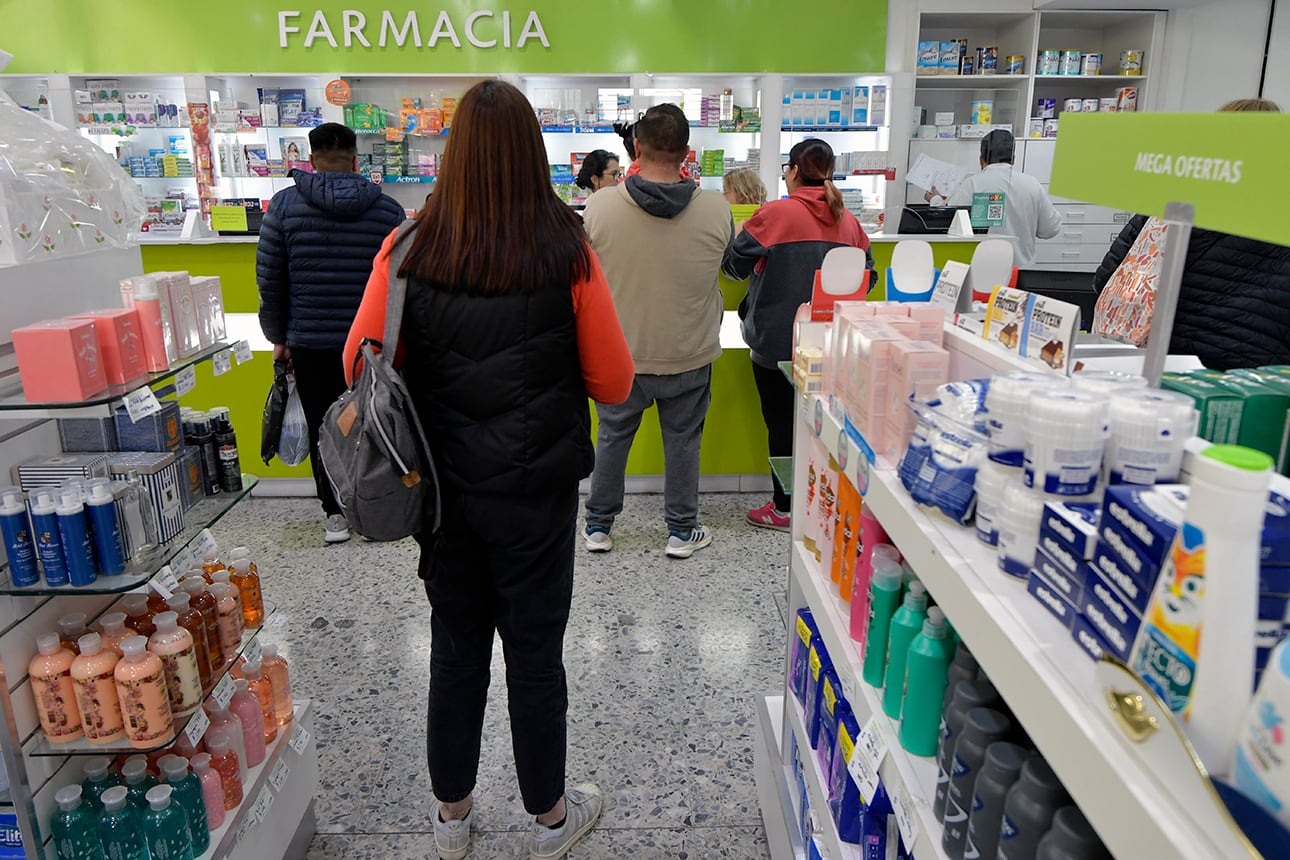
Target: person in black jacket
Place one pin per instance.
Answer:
(1234, 302)
(317, 243)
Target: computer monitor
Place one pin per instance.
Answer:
(922, 219)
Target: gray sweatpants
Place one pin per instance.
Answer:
(682, 400)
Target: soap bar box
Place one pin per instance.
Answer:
(159, 432)
(120, 340)
(1068, 532)
(1050, 597)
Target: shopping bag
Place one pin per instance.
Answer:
(275, 409)
(293, 441)
(1124, 308)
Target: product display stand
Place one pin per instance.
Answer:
(1179, 217)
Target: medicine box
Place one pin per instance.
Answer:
(1265, 416)
(59, 360)
(52, 471)
(1220, 408)
(1149, 516)
(1069, 531)
(1114, 571)
(929, 58)
(1111, 616)
(87, 434)
(943, 118)
(159, 432)
(120, 341)
(1051, 599)
(917, 368)
(160, 476)
(1069, 585)
(860, 105)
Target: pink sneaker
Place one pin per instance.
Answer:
(767, 517)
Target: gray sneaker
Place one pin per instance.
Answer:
(683, 545)
(583, 805)
(598, 539)
(452, 838)
(336, 529)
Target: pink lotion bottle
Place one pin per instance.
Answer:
(274, 667)
(224, 720)
(158, 350)
(212, 789)
(262, 689)
(51, 683)
(229, 612)
(247, 708)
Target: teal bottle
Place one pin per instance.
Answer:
(165, 826)
(120, 828)
(137, 780)
(98, 779)
(188, 794)
(905, 625)
(926, 674)
(884, 600)
(72, 827)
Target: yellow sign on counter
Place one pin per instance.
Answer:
(231, 218)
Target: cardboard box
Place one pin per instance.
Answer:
(59, 360)
(929, 58)
(52, 471)
(208, 298)
(87, 434)
(1220, 408)
(1265, 416)
(161, 432)
(1111, 615)
(1147, 516)
(1089, 639)
(160, 476)
(1051, 599)
(1069, 532)
(1133, 587)
(183, 311)
(1069, 585)
(120, 340)
(190, 477)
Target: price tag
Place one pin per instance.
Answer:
(167, 578)
(223, 692)
(263, 802)
(252, 650)
(185, 381)
(248, 824)
(161, 588)
(223, 362)
(141, 403)
(242, 352)
(864, 773)
(848, 686)
(299, 740)
(197, 727)
(278, 779)
(906, 820)
(873, 740)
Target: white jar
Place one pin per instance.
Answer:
(1018, 520)
(1005, 406)
(1148, 431)
(1066, 433)
(1107, 381)
(991, 481)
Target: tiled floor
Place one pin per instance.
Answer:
(663, 656)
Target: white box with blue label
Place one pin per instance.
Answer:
(1050, 597)
(1071, 527)
(1070, 584)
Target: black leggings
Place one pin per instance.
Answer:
(777, 395)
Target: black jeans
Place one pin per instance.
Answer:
(776, 394)
(320, 379)
(500, 563)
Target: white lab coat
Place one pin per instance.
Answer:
(1028, 214)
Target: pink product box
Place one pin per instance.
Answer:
(208, 298)
(886, 310)
(931, 322)
(59, 360)
(870, 361)
(120, 337)
(917, 368)
(907, 327)
(183, 311)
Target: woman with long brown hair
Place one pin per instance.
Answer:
(508, 326)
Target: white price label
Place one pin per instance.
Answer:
(873, 740)
(185, 381)
(299, 740)
(197, 727)
(141, 403)
(848, 686)
(252, 651)
(242, 352)
(263, 801)
(167, 578)
(906, 820)
(223, 362)
(223, 692)
(248, 824)
(871, 748)
(278, 779)
(162, 588)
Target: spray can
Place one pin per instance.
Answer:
(108, 546)
(18, 545)
(202, 437)
(74, 532)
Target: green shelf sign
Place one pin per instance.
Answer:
(1230, 166)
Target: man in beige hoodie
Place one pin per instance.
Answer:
(661, 242)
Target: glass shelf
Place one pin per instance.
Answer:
(783, 469)
(81, 746)
(200, 516)
(18, 402)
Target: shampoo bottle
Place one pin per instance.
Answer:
(166, 827)
(141, 686)
(174, 645)
(224, 720)
(108, 547)
(72, 827)
(927, 668)
(203, 437)
(120, 827)
(879, 557)
(112, 630)
(967, 695)
(44, 527)
(230, 464)
(905, 625)
(74, 534)
(1262, 769)
(96, 697)
(137, 780)
(224, 763)
(50, 672)
(188, 794)
(212, 789)
(246, 707)
(982, 728)
(138, 617)
(19, 547)
(884, 600)
(275, 668)
(191, 620)
(247, 580)
(1002, 768)
(262, 689)
(228, 610)
(99, 777)
(201, 599)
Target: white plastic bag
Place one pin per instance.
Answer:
(293, 444)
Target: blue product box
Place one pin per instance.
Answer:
(1072, 527)
(1089, 639)
(1114, 571)
(820, 666)
(831, 704)
(1111, 616)
(1070, 585)
(190, 477)
(800, 655)
(160, 432)
(10, 836)
(1272, 607)
(1050, 597)
(1128, 554)
(1274, 580)
(1276, 525)
(929, 58)
(87, 434)
(844, 795)
(1267, 635)
(1149, 515)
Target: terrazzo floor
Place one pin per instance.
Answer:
(664, 658)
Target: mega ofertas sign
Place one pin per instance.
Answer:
(348, 28)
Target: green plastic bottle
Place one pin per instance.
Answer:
(884, 600)
(137, 780)
(188, 794)
(120, 828)
(926, 674)
(98, 779)
(72, 827)
(905, 625)
(165, 826)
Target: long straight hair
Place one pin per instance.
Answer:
(813, 159)
(493, 224)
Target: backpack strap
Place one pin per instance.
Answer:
(397, 288)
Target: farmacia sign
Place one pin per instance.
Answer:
(350, 28)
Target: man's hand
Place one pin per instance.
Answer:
(281, 351)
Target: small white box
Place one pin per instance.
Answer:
(944, 118)
(945, 132)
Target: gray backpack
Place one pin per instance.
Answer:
(372, 445)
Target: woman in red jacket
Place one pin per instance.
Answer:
(781, 247)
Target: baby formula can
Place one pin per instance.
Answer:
(1126, 99)
(1090, 106)
(1071, 62)
(1108, 105)
(967, 65)
(1050, 63)
(1015, 65)
(1050, 128)
(1047, 108)
(982, 113)
(1035, 127)
(1091, 64)
(1072, 106)
(1130, 62)
(988, 60)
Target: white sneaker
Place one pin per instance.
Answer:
(598, 540)
(452, 838)
(681, 545)
(583, 805)
(337, 529)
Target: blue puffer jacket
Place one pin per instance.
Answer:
(317, 243)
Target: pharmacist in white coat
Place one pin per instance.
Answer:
(1028, 214)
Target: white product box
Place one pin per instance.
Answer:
(944, 117)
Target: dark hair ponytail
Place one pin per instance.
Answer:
(814, 161)
(593, 165)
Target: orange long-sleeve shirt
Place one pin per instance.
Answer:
(607, 367)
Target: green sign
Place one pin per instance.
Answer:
(987, 208)
(450, 37)
(1230, 166)
(229, 218)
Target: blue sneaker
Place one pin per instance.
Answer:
(683, 545)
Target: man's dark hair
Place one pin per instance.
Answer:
(664, 131)
(998, 147)
(333, 146)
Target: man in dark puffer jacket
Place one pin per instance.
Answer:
(317, 243)
(1234, 304)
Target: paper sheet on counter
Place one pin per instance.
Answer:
(931, 174)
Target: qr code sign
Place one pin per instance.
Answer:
(994, 212)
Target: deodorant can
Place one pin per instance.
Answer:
(1071, 62)
(109, 549)
(49, 546)
(1028, 810)
(1002, 768)
(982, 728)
(1091, 64)
(18, 545)
(1050, 63)
(967, 696)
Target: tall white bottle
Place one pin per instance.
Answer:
(1262, 770)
